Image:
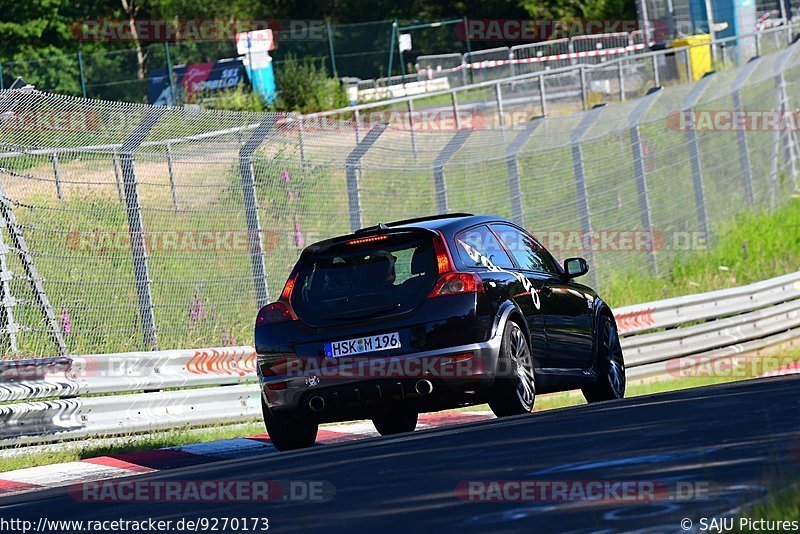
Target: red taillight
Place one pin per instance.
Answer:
(443, 260)
(453, 283)
(277, 312)
(288, 288)
(370, 239)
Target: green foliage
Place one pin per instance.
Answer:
(235, 99)
(755, 246)
(304, 86)
(48, 30)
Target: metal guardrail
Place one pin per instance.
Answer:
(657, 338)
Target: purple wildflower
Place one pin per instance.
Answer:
(66, 324)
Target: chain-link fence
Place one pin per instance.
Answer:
(129, 226)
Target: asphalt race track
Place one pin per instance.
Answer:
(732, 444)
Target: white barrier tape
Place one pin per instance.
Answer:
(489, 63)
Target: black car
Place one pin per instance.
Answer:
(426, 314)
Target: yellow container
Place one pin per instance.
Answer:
(700, 56)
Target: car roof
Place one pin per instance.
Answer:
(446, 222)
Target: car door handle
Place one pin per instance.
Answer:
(547, 291)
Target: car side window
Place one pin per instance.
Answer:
(529, 253)
(481, 239)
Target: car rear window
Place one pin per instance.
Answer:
(351, 282)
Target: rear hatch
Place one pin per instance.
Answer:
(364, 278)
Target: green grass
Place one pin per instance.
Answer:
(754, 246)
(785, 506)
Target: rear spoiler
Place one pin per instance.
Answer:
(324, 246)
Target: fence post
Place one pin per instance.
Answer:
(584, 96)
(57, 175)
(247, 174)
(512, 153)
(789, 148)
(9, 327)
(352, 170)
(455, 109)
(302, 140)
(171, 177)
(694, 152)
(621, 77)
(2, 84)
(656, 77)
(741, 136)
(116, 176)
(136, 228)
(82, 75)
(411, 125)
(579, 171)
(689, 75)
(787, 138)
(439, 180)
(20, 244)
(499, 97)
(542, 96)
(641, 171)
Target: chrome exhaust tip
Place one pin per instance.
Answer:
(316, 404)
(424, 387)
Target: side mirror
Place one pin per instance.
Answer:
(575, 267)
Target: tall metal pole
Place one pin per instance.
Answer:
(83, 77)
(469, 46)
(391, 49)
(170, 77)
(644, 18)
(330, 47)
(402, 60)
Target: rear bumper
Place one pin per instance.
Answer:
(360, 386)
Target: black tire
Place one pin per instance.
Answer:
(514, 388)
(395, 421)
(610, 366)
(288, 433)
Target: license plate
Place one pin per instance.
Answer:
(361, 345)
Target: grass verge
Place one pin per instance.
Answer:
(785, 506)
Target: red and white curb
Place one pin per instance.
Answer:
(134, 463)
(790, 369)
